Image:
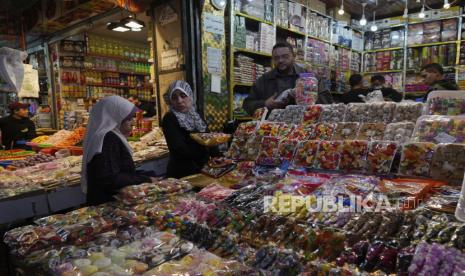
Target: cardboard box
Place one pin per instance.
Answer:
(317, 5)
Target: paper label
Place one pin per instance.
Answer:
(213, 24)
(444, 138)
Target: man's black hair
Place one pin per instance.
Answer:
(283, 44)
(433, 67)
(378, 78)
(355, 79)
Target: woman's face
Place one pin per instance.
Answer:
(126, 127)
(181, 102)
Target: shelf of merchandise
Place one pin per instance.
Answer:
(383, 50)
(116, 58)
(116, 86)
(319, 39)
(119, 72)
(242, 84)
(405, 47)
(242, 50)
(384, 72)
(251, 17)
(290, 30)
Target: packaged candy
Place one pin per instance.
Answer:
(440, 129)
(268, 129)
(380, 156)
(260, 114)
(268, 154)
(246, 128)
(252, 147)
(444, 199)
(381, 112)
(293, 114)
(407, 111)
(328, 156)
(287, 148)
(416, 159)
(449, 103)
(345, 131)
(302, 133)
(448, 163)
(371, 131)
(399, 132)
(237, 149)
(323, 131)
(357, 112)
(305, 153)
(285, 129)
(332, 113)
(276, 115)
(306, 89)
(354, 155)
(312, 114)
(210, 139)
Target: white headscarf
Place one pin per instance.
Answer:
(107, 115)
(191, 120)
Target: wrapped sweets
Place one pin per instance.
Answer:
(332, 113)
(210, 139)
(357, 112)
(399, 132)
(407, 111)
(260, 114)
(312, 114)
(440, 129)
(246, 128)
(371, 131)
(268, 129)
(324, 131)
(252, 147)
(328, 155)
(416, 159)
(354, 155)
(237, 150)
(286, 149)
(448, 162)
(380, 156)
(268, 154)
(285, 129)
(276, 115)
(302, 133)
(345, 131)
(305, 153)
(293, 114)
(381, 112)
(450, 103)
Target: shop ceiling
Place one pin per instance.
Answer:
(385, 8)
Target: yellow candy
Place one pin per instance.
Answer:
(89, 270)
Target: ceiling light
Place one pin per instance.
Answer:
(422, 12)
(406, 10)
(363, 21)
(446, 4)
(373, 27)
(136, 29)
(341, 9)
(131, 22)
(117, 27)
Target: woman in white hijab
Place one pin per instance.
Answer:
(107, 163)
(187, 157)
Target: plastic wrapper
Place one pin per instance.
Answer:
(269, 154)
(448, 163)
(276, 115)
(416, 159)
(305, 153)
(293, 114)
(354, 155)
(328, 155)
(252, 147)
(357, 112)
(285, 130)
(260, 114)
(210, 139)
(246, 128)
(449, 103)
(306, 89)
(407, 111)
(302, 133)
(444, 199)
(147, 192)
(312, 114)
(440, 129)
(324, 131)
(371, 131)
(381, 112)
(380, 156)
(268, 129)
(237, 150)
(215, 192)
(346, 131)
(286, 149)
(406, 193)
(399, 132)
(332, 113)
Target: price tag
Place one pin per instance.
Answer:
(444, 138)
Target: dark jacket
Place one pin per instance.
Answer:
(111, 170)
(187, 157)
(441, 85)
(267, 85)
(148, 108)
(14, 130)
(353, 95)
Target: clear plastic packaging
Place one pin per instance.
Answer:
(268, 129)
(312, 114)
(380, 112)
(416, 159)
(306, 89)
(252, 147)
(357, 112)
(328, 155)
(305, 153)
(440, 129)
(293, 114)
(324, 131)
(237, 150)
(260, 114)
(448, 163)
(276, 115)
(371, 131)
(346, 131)
(451, 103)
(287, 148)
(268, 154)
(380, 156)
(354, 155)
(246, 128)
(302, 132)
(332, 113)
(399, 132)
(407, 111)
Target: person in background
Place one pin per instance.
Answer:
(356, 90)
(187, 157)
(389, 94)
(107, 164)
(147, 107)
(433, 76)
(17, 127)
(269, 86)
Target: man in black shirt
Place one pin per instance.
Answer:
(433, 75)
(357, 91)
(17, 126)
(269, 86)
(389, 94)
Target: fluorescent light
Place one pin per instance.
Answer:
(133, 23)
(373, 28)
(117, 27)
(446, 4)
(136, 29)
(341, 9)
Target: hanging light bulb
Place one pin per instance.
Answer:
(422, 12)
(363, 21)
(405, 10)
(373, 27)
(446, 4)
(341, 9)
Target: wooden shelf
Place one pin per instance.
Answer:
(252, 52)
(432, 44)
(243, 118)
(319, 39)
(118, 86)
(290, 30)
(116, 58)
(431, 20)
(384, 72)
(253, 18)
(242, 84)
(119, 72)
(384, 50)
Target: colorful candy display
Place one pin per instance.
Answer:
(416, 159)
(268, 129)
(312, 114)
(407, 112)
(399, 132)
(346, 131)
(448, 162)
(380, 156)
(357, 112)
(305, 153)
(371, 131)
(328, 156)
(324, 131)
(287, 148)
(449, 103)
(210, 139)
(354, 155)
(306, 89)
(381, 112)
(293, 114)
(440, 129)
(269, 154)
(246, 128)
(332, 113)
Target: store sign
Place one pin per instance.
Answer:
(213, 24)
(214, 59)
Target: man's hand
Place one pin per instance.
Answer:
(271, 103)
